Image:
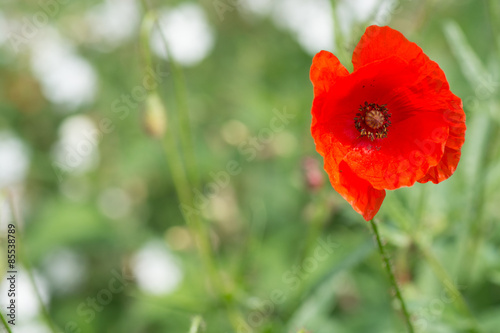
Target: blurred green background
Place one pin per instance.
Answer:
(93, 190)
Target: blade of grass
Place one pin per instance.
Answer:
(181, 100)
(5, 324)
(196, 324)
(27, 265)
(184, 180)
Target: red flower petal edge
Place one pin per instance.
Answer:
(392, 122)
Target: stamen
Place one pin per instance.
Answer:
(372, 120)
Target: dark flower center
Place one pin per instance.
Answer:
(372, 120)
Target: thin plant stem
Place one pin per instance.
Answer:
(196, 324)
(181, 99)
(392, 278)
(25, 262)
(179, 176)
(197, 227)
(193, 220)
(5, 324)
(185, 178)
(146, 27)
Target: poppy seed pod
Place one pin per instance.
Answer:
(155, 116)
(392, 122)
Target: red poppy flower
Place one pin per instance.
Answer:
(391, 122)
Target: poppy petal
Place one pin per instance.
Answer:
(448, 163)
(378, 43)
(325, 70)
(416, 139)
(391, 122)
(446, 167)
(365, 199)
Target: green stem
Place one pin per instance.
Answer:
(392, 278)
(5, 324)
(186, 178)
(198, 228)
(193, 220)
(196, 324)
(179, 176)
(24, 260)
(181, 99)
(146, 27)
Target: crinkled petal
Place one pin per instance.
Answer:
(428, 123)
(365, 199)
(455, 117)
(418, 133)
(359, 193)
(378, 43)
(325, 70)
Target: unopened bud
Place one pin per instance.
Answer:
(313, 173)
(155, 116)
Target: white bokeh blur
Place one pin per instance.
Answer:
(3, 29)
(114, 203)
(312, 23)
(105, 22)
(14, 160)
(68, 80)
(186, 29)
(77, 149)
(28, 307)
(36, 326)
(156, 269)
(65, 270)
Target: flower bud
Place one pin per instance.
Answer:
(155, 116)
(312, 172)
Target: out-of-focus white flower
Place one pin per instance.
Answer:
(364, 11)
(67, 79)
(77, 149)
(4, 31)
(28, 306)
(65, 269)
(114, 203)
(36, 326)
(14, 160)
(112, 22)
(156, 269)
(258, 7)
(311, 22)
(189, 36)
